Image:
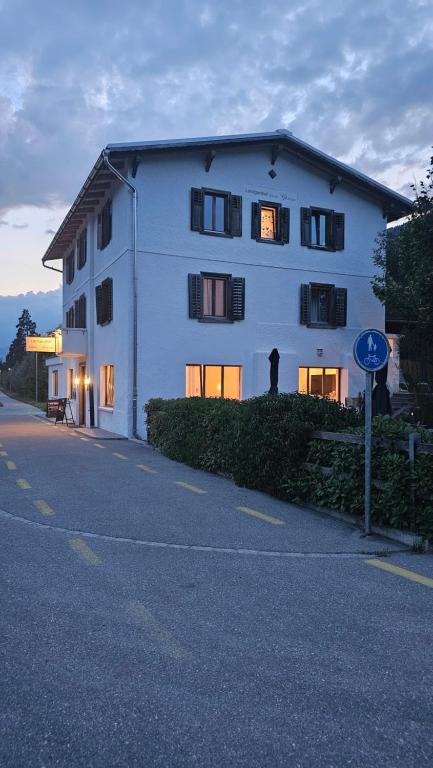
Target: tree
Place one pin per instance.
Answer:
(405, 282)
(17, 350)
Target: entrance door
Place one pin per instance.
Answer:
(82, 396)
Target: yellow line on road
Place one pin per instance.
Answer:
(189, 487)
(98, 445)
(84, 439)
(83, 550)
(145, 468)
(120, 455)
(261, 516)
(162, 638)
(11, 465)
(23, 484)
(43, 507)
(3, 453)
(403, 572)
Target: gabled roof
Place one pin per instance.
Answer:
(280, 141)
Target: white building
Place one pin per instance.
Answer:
(187, 262)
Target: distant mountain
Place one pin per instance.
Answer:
(45, 309)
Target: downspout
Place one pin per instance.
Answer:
(105, 156)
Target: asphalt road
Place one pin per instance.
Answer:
(154, 615)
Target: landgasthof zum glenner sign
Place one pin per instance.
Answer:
(40, 344)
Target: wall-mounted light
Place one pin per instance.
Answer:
(319, 351)
(76, 381)
(86, 381)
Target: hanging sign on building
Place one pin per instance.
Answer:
(40, 344)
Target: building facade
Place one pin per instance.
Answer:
(186, 263)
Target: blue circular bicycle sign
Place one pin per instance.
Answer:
(371, 350)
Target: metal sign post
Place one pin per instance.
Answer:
(36, 376)
(371, 353)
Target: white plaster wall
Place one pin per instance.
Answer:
(169, 250)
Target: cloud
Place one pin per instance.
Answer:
(352, 78)
(4, 223)
(20, 226)
(50, 232)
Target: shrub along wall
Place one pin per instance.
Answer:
(258, 442)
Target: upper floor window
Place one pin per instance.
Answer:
(82, 249)
(214, 212)
(270, 223)
(323, 305)
(80, 312)
(104, 302)
(322, 228)
(70, 318)
(70, 267)
(105, 225)
(216, 298)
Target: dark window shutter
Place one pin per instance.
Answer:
(197, 198)
(236, 215)
(194, 296)
(98, 297)
(237, 298)
(305, 226)
(99, 239)
(106, 311)
(338, 231)
(340, 306)
(284, 216)
(109, 221)
(77, 314)
(305, 304)
(255, 221)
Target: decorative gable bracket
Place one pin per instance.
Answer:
(334, 182)
(209, 159)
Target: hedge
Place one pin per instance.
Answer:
(258, 442)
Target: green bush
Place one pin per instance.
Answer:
(259, 442)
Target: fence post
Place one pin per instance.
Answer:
(414, 438)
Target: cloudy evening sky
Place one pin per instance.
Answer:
(353, 78)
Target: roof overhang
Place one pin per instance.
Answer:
(100, 179)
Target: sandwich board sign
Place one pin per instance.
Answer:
(371, 353)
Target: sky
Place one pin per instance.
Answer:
(352, 78)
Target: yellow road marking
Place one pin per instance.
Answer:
(401, 572)
(145, 468)
(84, 439)
(261, 516)
(81, 548)
(43, 507)
(120, 455)
(23, 484)
(189, 487)
(98, 445)
(11, 465)
(3, 453)
(165, 642)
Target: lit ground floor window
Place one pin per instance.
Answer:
(55, 383)
(213, 381)
(324, 382)
(107, 386)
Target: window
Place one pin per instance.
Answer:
(70, 267)
(214, 212)
(213, 381)
(80, 312)
(55, 384)
(105, 225)
(70, 319)
(322, 228)
(216, 298)
(323, 305)
(270, 223)
(107, 386)
(82, 249)
(322, 382)
(70, 384)
(104, 302)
